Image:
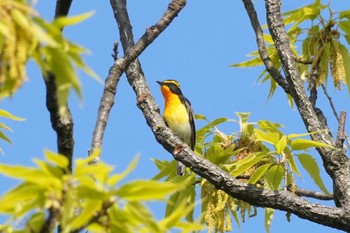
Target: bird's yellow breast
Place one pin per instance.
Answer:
(175, 112)
(176, 116)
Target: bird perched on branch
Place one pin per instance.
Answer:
(178, 115)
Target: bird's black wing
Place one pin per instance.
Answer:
(191, 119)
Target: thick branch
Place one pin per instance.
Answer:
(51, 221)
(334, 217)
(63, 125)
(275, 74)
(120, 65)
(282, 200)
(336, 163)
(62, 7)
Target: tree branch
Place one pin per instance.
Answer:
(313, 194)
(275, 74)
(63, 125)
(336, 162)
(107, 99)
(283, 200)
(334, 110)
(341, 131)
(51, 221)
(62, 7)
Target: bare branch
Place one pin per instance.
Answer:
(275, 74)
(302, 60)
(341, 131)
(51, 221)
(308, 193)
(63, 125)
(121, 64)
(334, 111)
(106, 103)
(62, 7)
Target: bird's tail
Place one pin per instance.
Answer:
(180, 171)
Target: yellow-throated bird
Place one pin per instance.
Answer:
(178, 115)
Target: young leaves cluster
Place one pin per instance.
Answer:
(24, 35)
(89, 199)
(258, 154)
(321, 42)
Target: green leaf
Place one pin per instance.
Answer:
(243, 165)
(88, 191)
(292, 164)
(175, 217)
(269, 126)
(5, 127)
(142, 215)
(57, 159)
(344, 25)
(268, 218)
(304, 144)
(50, 171)
(113, 180)
(8, 115)
(201, 133)
(36, 221)
(185, 195)
(271, 138)
(67, 21)
(44, 37)
(14, 201)
(310, 165)
(28, 174)
(281, 145)
(167, 170)
(89, 209)
(199, 117)
(274, 176)
(142, 190)
(258, 173)
(256, 61)
(4, 137)
(344, 14)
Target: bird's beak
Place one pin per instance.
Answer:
(160, 82)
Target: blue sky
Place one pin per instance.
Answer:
(197, 50)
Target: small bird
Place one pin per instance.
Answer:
(178, 115)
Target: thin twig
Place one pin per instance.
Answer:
(334, 111)
(302, 60)
(275, 74)
(308, 193)
(341, 131)
(330, 101)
